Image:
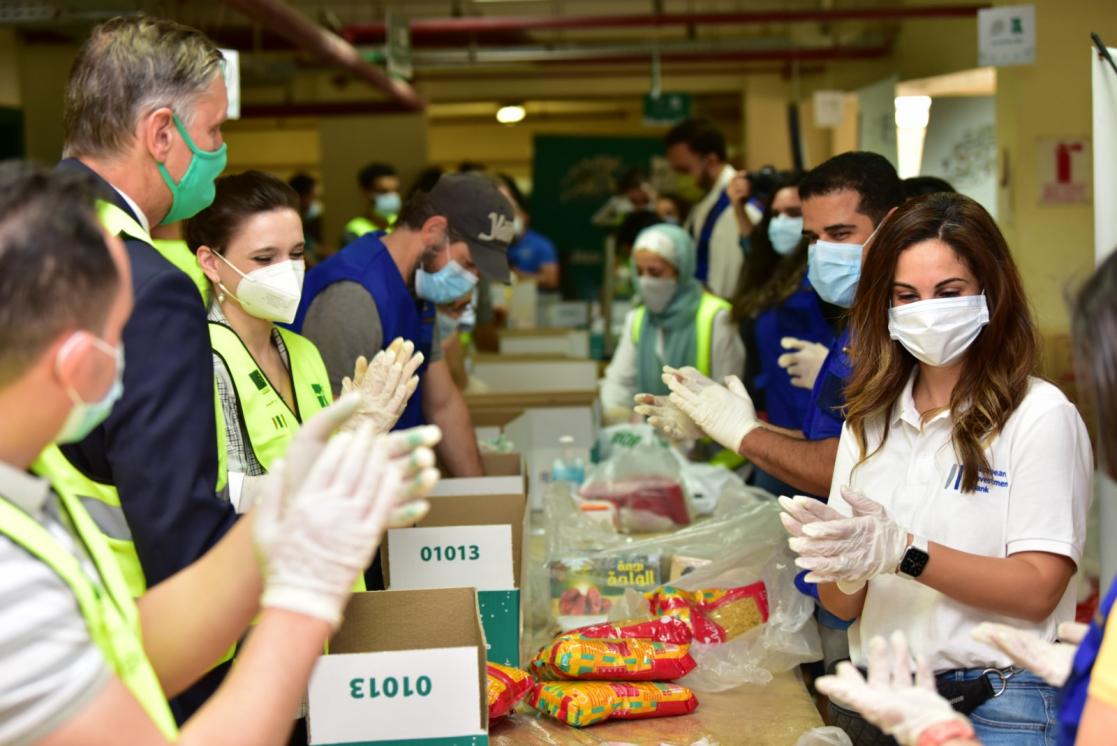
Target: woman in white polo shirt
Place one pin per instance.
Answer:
(962, 481)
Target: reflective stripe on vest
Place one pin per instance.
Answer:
(708, 309)
(109, 613)
(102, 501)
(267, 420)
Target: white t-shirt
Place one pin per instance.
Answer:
(726, 256)
(1034, 500)
(51, 669)
(618, 386)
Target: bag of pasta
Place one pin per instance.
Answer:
(611, 660)
(585, 703)
(714, 614)
(661, 629)
(507, 686)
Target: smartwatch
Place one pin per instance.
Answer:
(915, 558)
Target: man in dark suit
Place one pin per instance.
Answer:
(143, 113)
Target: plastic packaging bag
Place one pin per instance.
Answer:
(828, 736)
(662, 629)
(630, 659)
(644, 486)
(584, 703)
(506, 686)
(787, 638)
(715, 615)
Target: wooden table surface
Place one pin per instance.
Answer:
(772, 715)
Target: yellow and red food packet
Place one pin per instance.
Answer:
(715, 615)
(661, 629)
(612, 660)
(507, 686)
(585, 703)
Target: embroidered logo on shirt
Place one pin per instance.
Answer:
(319, 395)
(986, 479)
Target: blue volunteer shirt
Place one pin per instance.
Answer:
(824, 417)
(531, 252)
(1072, 697)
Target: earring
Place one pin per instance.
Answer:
(221, 297)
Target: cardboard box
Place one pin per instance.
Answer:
(536, 435)
(473, 536)
(550, 375)
(572, 343)
(406, 667)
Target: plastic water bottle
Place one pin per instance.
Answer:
(569, 466)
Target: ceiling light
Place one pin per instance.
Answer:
(510, 114)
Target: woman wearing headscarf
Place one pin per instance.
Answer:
(679, 324)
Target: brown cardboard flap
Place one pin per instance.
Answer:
(502, 464)
(393, 621)
(475, 510)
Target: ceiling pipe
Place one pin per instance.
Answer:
(301, 31)
(369, 33)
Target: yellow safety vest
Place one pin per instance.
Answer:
(110, 614)
(267, 420)
(359, 226)
(102, 501)
(179, 254)
(708, 309)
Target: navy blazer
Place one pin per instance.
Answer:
(159, 444)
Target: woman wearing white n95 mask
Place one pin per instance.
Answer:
(250, 245)
(680, 324)
(962, 481)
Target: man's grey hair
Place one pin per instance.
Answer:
(128, 68)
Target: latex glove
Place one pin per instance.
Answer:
(417, 470)
(851, 549)
(725, 413)
(666, 417)
(1051, 661)
(801, 510)
(385, 385)
(912, 712)
(804, 362)
(313, 544)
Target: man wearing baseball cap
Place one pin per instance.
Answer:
(384, 286)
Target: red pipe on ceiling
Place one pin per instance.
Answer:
(300, 30)
(364, 33)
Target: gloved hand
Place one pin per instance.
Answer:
(851, 549)
(666, 417)
(912, 713)
(804, 363)
(802, 510)
(314, 543)
(725, 413)
(385, 385)
(410, 447)
(1051, 661)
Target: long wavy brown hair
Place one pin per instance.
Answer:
(997, 365)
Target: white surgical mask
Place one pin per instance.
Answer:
(658, 292)
(85, 416)
(271, 293)
(939, 331)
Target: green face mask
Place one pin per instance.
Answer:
(195, 191)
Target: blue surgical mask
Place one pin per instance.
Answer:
(785, 233)
(85, 416)
(388, 204)
(834, 270)
(446, 285)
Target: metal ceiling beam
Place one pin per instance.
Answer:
(300, 30)
(371, 33)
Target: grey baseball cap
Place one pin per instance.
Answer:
(476, 209)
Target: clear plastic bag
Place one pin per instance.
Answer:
(757, 552)
(644, 488)
(828, 736)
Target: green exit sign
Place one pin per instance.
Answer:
(666, 108)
